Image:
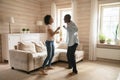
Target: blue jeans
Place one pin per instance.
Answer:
(50, 53)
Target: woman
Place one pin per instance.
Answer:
(48, 20)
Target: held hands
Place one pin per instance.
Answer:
(56, 31)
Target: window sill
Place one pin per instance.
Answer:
(108, 46)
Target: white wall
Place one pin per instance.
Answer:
(108, 53)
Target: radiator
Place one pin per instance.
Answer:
(108, 53)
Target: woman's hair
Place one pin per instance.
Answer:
(47, 19)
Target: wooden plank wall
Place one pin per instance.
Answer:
(83, 22)
(63, 4)
(25, 13)
(0, 50)
(108, 1)
(45, 10)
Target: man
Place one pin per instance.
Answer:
(72, 42)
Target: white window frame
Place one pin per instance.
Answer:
(100, 15)
(59, 19)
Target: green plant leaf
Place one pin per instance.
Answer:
(102, 37)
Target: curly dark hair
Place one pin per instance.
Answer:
(47, 19)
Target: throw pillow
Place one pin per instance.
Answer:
(26, 46)
(39, 46)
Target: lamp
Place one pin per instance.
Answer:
(11, 21)
(39, 23)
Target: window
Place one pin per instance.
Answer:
(61, 14)
(109, 20)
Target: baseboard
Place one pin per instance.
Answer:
(108, 60)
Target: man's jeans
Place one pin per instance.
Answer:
(71, 57)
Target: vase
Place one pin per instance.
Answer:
(116, 41)
(102, 41)
(23, 32)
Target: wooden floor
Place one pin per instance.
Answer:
(87, 70)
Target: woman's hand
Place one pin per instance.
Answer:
(57, 32)
(58, 28)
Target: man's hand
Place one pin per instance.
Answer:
(64, 26)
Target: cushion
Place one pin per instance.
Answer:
(26, 46)
(43, 45)
(62, 46)
(39, 46)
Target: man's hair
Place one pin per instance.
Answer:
(68, 16)
(47, 19)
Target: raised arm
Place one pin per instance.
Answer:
(52, 33)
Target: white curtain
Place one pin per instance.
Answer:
(93, 30)
(53, 13)
(74, 10)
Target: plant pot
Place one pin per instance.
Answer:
(23, 32)
(109, 41)
(27, 31)
(102, 41)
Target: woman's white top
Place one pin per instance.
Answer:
(49, 37)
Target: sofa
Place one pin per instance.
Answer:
(32, 56)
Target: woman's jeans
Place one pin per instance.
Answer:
(50, 53)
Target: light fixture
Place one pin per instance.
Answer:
(11, 21)
(39, 23)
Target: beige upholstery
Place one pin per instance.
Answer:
(27, 46)
(78, 55)
(27, 61)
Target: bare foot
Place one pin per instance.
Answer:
(72, 73)
(43, 72)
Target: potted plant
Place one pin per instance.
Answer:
(102, 38)
(23, 30)
(109, 41)
(28, 30)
